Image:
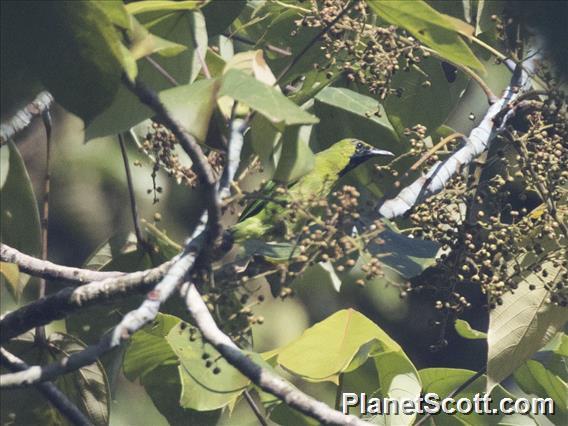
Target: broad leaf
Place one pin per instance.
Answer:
(522, 325)
(264, 99)
(399, 380)
(85, 75)
(207, 381)
(535, 379)
(87, 388)
(444, 381)
(428, 26)
(340, 343)
(219, 14)
(346, 113)
(163, 6)
(428, 105)
(180, 27)
(19, 216)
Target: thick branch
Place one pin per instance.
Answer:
(57, 398)
(263, 378)
(24, 117)
(132, 322)
(64, 302)
(193, 150)
(477, 143)
(45, 269)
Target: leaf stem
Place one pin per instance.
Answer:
(133, 206)
(255, 408)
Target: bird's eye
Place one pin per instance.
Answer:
(359, 146)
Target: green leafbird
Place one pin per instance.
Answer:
(264, 218)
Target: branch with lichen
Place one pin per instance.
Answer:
(477, 142)
(57, 398)
(23, 118)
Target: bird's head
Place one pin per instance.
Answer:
(356, 152)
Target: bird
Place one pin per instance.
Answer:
(264, 217)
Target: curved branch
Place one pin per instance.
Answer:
(193, 150)
(261, 377)
(24, 117)
(48, 390)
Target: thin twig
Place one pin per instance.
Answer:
(57, 398)
(435, 149)
(312, 42)
(141, 242)
(267, 46)
(46, 118)
(24, 117)
(162, 71)
(255, 409)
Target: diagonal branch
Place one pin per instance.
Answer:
(24, 117)
(193, 150)
(261, 377)
(48, 390)
(477, 142)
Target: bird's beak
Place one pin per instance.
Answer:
(374, 152)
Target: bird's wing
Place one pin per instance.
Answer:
(257, 205)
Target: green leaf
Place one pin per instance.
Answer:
(264, 99)
(148, 350)
(87, 387)
(444, 381)
(19, 216)
(116, 12)
(146, 6)
(84, 76)
(169, 341)
(219, 14)
(534, 378)
(429, 27)
(522, 325)
(335, 345)
(427, 105)
(143, 43)
(296, 158)
(464, 330)
(192, 105)
(399, 380)
(346, 113)
(10, 274)
(127, 259)
(180, 27)
(164, 388)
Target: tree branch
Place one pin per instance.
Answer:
(477, 143)
(66, 301)
(263, 378)
(48, 390)
(24, 117)
(45, 269)
(191, 147)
